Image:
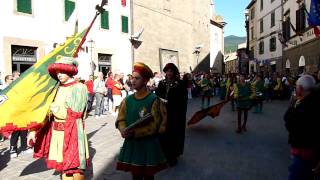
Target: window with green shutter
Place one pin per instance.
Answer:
(124, 22)
(105, 20)
(69, 7)
(24, 6)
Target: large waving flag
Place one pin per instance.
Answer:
(314, 16)
(25, 103)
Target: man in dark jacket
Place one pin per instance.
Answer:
(303, 125)
(174, 92)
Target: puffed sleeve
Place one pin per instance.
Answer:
(121, 119)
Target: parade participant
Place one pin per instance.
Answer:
(206, 91)
(304, 130)
(258, 93)
(174, 92)
(223, 88)
(242, 92)
(188, 81)
(278, 88)
(141, 153)
(62, 140)
(230, 92)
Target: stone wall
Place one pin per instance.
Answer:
(176, 26)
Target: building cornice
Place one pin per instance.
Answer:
(218, 24)
(251, 4)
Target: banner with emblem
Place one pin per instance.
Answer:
(24, 104)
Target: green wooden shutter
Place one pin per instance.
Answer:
(104, 20)
(69, 7)
(24, 6)
(124, 22)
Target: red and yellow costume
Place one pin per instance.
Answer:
(62, 141)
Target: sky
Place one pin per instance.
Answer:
(233, 14)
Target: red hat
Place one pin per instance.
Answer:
(66, 65)
(143, 70)
(171, 66)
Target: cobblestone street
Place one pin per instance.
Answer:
(212, 150)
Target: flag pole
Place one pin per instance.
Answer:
(99, 9)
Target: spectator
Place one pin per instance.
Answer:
(16, 134)
(128, 85)
(109, 86)
(90, 85)
(116, 93)
(15, 75)
(99, 90)
(7, 80)
(303, 125)
(188, 81)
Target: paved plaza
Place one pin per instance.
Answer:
(212, 150)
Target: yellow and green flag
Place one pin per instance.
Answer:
(24, 104)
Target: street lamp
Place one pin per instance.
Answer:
(197, 50)
(92, 64)
(246, 13)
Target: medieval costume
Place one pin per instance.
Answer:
(141, 153)
(242, 93)
(230, 92)
(258, 94)
(206, 91)
(62, 140)
(223, 89)
(174, 91)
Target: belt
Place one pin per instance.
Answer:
(58, 126)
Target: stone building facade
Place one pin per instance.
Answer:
(172, 31)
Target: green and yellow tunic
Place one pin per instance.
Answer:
(142, 153)
(242, 93)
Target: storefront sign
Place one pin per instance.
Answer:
(24, 58)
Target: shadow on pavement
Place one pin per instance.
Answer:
(4, 158)
(109, 172)
(40, 165)
(36, 166)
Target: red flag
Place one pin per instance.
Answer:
(212, 111)
(316, 31)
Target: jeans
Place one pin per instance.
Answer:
(99, 104)
(90, 102)
(23, 139)
(301, 169)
